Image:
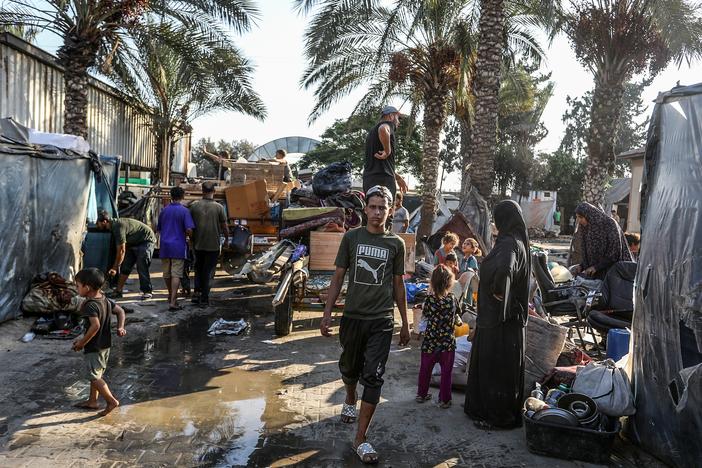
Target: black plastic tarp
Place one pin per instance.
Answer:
(667, 325)
(43, 201)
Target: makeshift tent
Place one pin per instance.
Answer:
(44, 194)
(538, 208)
(667, 325)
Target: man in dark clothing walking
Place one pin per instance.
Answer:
(375, 260)
(135, 242)
(210, 223)
(379, 166)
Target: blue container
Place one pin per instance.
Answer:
(617, 343)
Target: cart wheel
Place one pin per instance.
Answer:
(284, 314)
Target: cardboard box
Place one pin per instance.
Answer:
(247, 201)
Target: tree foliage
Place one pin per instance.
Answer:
(522, 101)
(95, 33)
(632, 128)
(616, 40)
(174, 89)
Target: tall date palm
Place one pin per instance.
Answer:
(92, 32)
(412, 51)
(175, 86)
(615, 40)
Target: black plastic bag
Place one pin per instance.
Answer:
(335, 178)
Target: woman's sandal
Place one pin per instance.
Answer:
(445, 404)
(422, 399)
(367, 453)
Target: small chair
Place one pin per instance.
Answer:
(568, 299)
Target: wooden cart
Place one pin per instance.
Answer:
(292, 288)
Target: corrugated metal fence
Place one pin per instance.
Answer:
(31, 92)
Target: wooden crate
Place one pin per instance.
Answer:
(272, 173)
(325, 245)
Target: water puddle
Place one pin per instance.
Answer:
(172, 392)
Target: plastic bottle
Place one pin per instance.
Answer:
(537, 392)
(553, 396)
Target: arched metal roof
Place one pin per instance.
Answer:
(291, 144)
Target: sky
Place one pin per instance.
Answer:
(275, 47)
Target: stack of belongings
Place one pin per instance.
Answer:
(57, 304)
(328, 204)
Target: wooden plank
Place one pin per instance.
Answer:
(410, 248)
(325, 245)
(323, 249)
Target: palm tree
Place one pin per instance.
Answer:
(176, 87)
(615, 40)
(486, 89)
(94, 31)
(411, 51)
(522, 18)
(23, 32)
(505, 31)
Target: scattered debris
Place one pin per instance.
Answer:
(227, 327)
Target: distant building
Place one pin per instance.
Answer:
(538, 207)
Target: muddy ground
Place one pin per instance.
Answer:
(251, 400)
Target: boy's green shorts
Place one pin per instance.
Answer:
(96, 363)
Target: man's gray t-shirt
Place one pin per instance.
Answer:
(371, 261)
(399, 218)
(208, 216)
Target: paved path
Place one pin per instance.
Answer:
(252, 400)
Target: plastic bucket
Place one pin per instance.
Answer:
(617, 343)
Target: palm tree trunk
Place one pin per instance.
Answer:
(487, 86)
(604, 127)
(434, 119)
(76, 56)
(465, 155)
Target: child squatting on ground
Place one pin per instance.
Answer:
(96, 342)
(439, 343)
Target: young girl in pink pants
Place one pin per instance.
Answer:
(439, 343)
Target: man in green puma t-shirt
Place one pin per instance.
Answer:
(375, 261)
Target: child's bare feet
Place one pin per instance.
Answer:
(108, 409)
(87, 404)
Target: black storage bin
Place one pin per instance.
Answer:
(570, 443)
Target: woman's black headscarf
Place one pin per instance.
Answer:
(510, 221)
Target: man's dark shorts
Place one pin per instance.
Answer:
(366, 346)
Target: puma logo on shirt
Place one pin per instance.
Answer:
(370, 264)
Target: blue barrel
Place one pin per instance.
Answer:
(617, 343)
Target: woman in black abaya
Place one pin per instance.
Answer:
(496, 374)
